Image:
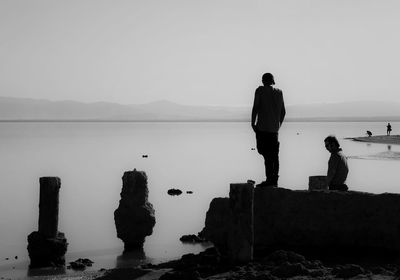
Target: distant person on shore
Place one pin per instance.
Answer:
(388, 129)
(337, 165)
(267, 116)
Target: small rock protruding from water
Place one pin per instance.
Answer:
(80, 264)
(192, 238)
(174, 192)
(134, 217)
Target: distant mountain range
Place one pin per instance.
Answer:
(23, 109)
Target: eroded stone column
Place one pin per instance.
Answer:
(241, 232)
(48, 205)
(134, 217)
(47, 246)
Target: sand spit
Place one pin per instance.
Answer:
(380, 139)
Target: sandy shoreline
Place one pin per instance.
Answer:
(380, 139)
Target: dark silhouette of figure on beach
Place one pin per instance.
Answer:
(388, 129)
(337, 165)
(369, 133)
(267, 116)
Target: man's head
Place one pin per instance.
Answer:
(268, 79)
(332, 144)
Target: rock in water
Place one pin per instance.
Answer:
(47, 246)
(216, 225)
(134, 217)
(81, 264)
(191, 238)
(174, 192)
(45, 251)
(325, 223)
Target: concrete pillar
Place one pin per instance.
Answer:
(241, 232)
(48, 206)
(47, 246)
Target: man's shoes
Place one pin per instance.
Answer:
(262, 184)
(267, 183)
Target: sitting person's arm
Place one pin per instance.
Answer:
(254, 111)
(332, 168)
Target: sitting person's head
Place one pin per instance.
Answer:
(332, 144)
(268, 79)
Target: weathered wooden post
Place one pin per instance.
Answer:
(241, 229)
(47, 246)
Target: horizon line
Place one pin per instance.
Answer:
(193, 105)
(290, 119)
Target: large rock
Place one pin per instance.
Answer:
(216, 227)
(322, 222)
(241, 230)
(229, 223)
(46, 252)
(134, 217)
(327, 221)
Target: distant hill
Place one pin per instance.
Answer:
(23, 109)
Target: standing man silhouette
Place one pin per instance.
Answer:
(266, 118)
(388, 129)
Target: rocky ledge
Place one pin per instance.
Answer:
(381, 139)
(319, 223)
(211, 265)
(347, 235)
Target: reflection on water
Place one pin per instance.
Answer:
(130, 259)
(386, 155)
(35, 272)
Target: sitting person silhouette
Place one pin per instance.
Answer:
(337, 165)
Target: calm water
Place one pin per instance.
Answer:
(90, 159)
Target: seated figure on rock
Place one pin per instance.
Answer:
(337, 165)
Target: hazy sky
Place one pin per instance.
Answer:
(199, 52)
